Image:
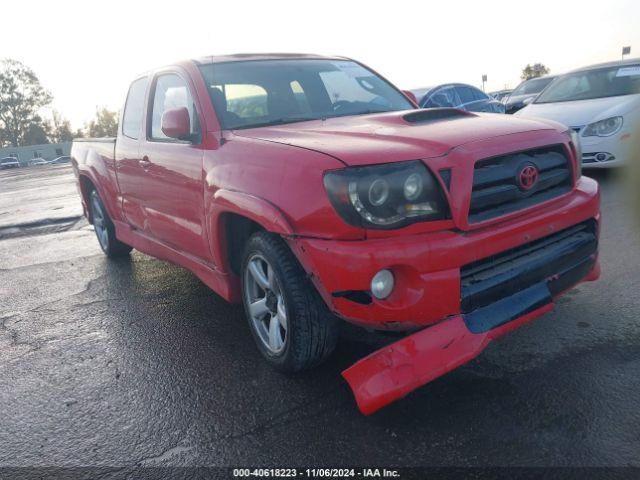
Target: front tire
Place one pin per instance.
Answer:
(105, 229)
(292, 327)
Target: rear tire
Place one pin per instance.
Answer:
(293, 328)
(105, 229)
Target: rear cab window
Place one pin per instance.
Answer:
(245, 100)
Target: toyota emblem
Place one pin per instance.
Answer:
(528, 177)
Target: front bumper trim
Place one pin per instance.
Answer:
(397, 369)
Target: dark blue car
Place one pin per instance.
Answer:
(457, 95)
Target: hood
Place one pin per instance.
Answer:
(388, 137)
(582, 112)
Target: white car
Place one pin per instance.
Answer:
(9, 162)
(62, 159)
(602, 104)
(37, 162)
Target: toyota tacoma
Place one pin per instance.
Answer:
(313, 191)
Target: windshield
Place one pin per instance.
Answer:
(531, 87)
(269, 92)
(597, 83)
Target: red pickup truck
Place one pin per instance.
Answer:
(312, 190)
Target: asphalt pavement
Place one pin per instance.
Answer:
(136, 363)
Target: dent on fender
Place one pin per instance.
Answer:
(255, 208)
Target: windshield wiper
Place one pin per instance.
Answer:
(277, 121)
(361, 112)
(285, 120)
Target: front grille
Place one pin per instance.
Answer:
(496, 190)
(558, 260)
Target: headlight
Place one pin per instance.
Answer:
(386, 196)
(577, 146)
(603, 128)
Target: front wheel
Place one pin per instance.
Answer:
(292, 327)
(105, 229)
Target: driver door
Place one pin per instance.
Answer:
(174, 203)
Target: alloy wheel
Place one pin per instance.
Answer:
(265, 303)
(99, 222)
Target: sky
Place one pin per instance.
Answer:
(86, 53)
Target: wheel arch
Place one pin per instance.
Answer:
(86, 187)
(234, 218)
(87, 182)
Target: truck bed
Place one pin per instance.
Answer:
(83, 148)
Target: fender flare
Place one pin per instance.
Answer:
(107, 198)
(256, 209)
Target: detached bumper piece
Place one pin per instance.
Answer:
(498, 295)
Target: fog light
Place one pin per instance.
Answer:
(382, 284)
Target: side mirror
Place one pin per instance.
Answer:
(527, 101)
(176, 123)
(411, 96)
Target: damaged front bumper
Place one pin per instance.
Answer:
(457, 290)
(397, 369)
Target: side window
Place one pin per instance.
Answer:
(465, 94)
(134, 108)
(443, 97)
(479, 94)
(171, 91)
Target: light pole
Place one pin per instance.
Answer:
(625, 51)
(484, 79)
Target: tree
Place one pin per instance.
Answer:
(37, 133)
(104, 125)
(533, 71)
(60, 130)
(21, 97)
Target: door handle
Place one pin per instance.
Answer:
(144, 163)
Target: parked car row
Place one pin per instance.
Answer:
(601, 103)
(13, 162)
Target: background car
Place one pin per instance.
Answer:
(602, 103)
(501, 95)
(9, 162)
(61, 159)
(526, 92)
(37, 162)
(457, 95)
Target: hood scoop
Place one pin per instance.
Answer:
(435, 114)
